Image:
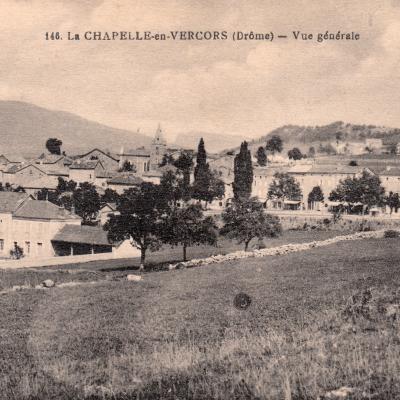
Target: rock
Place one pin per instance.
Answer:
(342, 393)
(134, 278)
(48, 283)
(392, 311)
(39, 287)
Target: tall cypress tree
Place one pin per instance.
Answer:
(201, 159)
(243, 171)
(202, 176)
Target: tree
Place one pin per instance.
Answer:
(127, 167)
(274, 144)
(295, 154)
(353, 163)
(167, 160)
(184, 163)
(245, 219)
(109, 196)
(365, 189)
(217, 186)
(141, 211)
(86, 201)
(202, 176)
(187, 227)
(171, 186)
(311, 152)
(261, 156)
(53, 145)
(393, 201)
(284, 187)
(315, 196)
(243, 173)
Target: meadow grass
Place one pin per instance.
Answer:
(177, 334)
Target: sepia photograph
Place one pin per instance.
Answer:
(200, 200)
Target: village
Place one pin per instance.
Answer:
(35, 220)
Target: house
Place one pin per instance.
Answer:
(327, 176)
(146, 159)
(78, 240)
(390, 179)
(374, 145)
(53, 159)
(31, 224)
(109, 162)
(21, 174)
(122, 182)
(85, 170)
(105, 211)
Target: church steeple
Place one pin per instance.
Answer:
(159, 137)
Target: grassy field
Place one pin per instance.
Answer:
(177, 335)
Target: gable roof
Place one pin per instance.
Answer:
(137, 153)
(19, 167)
(11, 201)
(85, 164)
(93, 235)
(41, 209)
(100, 151)
(125, 180)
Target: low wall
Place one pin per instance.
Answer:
(47, 262)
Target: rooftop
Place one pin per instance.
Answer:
(41, 209)
(10, 201)
(84, 164)
(93, 235)
(125, 180)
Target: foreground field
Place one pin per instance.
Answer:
(177, 335)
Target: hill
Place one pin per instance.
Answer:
(306, 136)
(25, 128)
(213, 142)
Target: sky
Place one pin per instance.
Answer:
(241, 88)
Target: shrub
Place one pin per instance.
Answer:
(390, 233)
(17, 252)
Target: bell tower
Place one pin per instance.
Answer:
(158, 148)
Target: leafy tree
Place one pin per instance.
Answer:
(141, 211)
(127, 167)
(86, 201)
(365, 189)
(261, 156)
(184, 163)
(393, 201)
(245, 219)
(187, 227)
(353, 163)
(243, 173)
(49, 195)
(284, 187)
(316, 195)
(274, 144)
(217, 186)
(171, 185)
(295, 154)
(311, 152)
(109, 196)
(167, 160)
(53, 145)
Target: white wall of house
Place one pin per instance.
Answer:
(33, 235)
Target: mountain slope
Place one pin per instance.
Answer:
(214, 142)
(306, 136)
(24, 129)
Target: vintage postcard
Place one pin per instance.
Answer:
(200, 199)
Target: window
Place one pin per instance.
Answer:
(27, 247)
(1, 244)
(40, 248)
